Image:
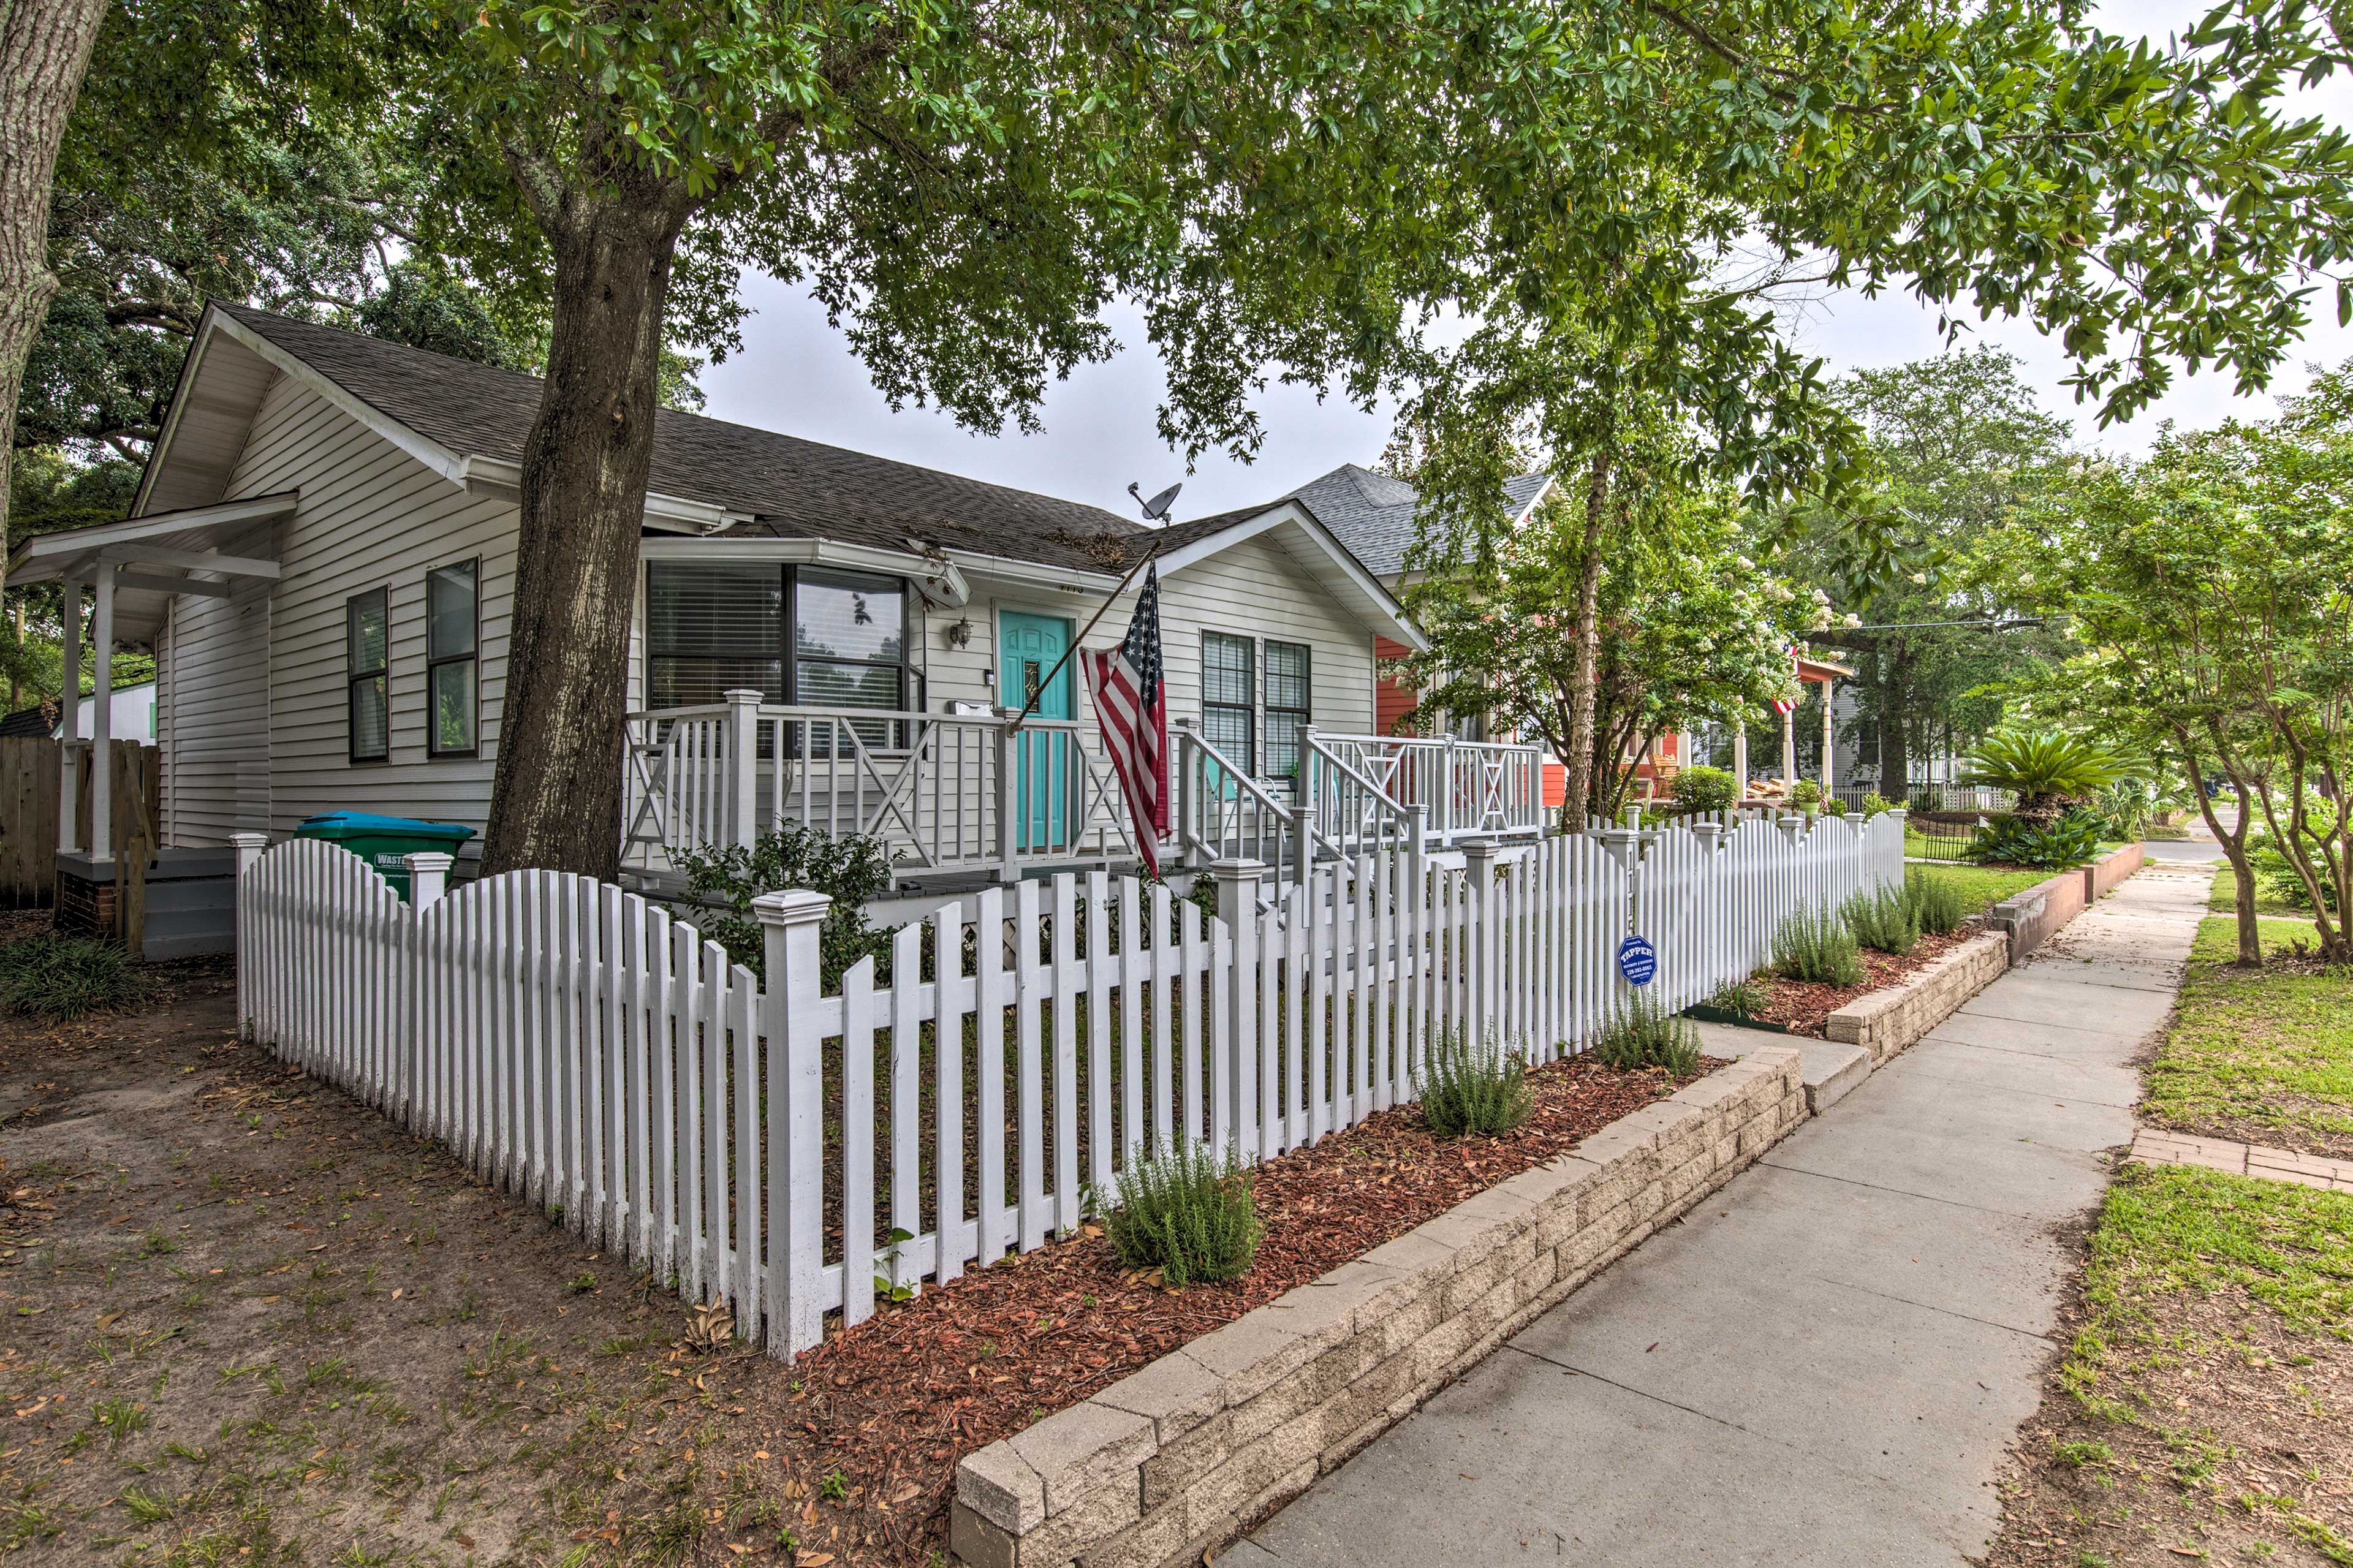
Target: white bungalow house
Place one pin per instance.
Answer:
(321, 555)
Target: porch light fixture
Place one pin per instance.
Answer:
(960, 634)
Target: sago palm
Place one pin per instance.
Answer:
(2046, 768)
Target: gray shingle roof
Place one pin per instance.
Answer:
(794, 488)
(1374, 515)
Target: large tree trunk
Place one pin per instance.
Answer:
(556, 801)
(1895, 728)
(1581, 760)
(43, 50)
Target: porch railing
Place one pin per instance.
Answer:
(944, 792)
(1471, 789)
(962, 792)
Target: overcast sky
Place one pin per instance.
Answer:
(797, 374)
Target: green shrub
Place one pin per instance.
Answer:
(850, 869)
(1815, 944)
(1876, 804)
(1937, 905)
(2277, 872)
(2045, 768)
(1704, 789)
(2072, 840)
(1750, 998)
(1883, 921)
(1190, 1214)
(1482, 1091)
(58, 978)
(1642, 1034)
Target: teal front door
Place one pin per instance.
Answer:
(1028, 649)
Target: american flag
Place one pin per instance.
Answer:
(1133, 713)
(1785, 706)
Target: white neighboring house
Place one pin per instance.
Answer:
(322, 554)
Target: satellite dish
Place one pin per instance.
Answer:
(1156, 509)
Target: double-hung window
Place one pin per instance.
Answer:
(1286, 707)
(452, 637)
(368, 720)
(800, 635)
(1229, 698)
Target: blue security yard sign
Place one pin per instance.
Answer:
(1638, 961)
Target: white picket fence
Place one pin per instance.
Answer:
(799, 1153)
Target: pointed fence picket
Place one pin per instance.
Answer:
(797, 1151)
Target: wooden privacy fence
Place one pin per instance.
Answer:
(799, 1152)
(30, 774)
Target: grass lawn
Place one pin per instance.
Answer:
(2201, 1410)
(2225, 897)
(2261, 1056)
(1983, 886)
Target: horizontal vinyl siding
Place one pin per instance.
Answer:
(212, 716)
(370, 517)
(1252, 590)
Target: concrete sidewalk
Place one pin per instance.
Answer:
(1825, 1362)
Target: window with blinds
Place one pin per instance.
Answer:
(452, 637)
(1286, 707)
(1229, 698)
(711, 626)
(368, 717)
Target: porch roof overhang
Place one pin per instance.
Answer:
(1822, 671)
(154, 559)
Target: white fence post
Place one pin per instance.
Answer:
(1480, 910)
(428, 878)
(249, 846)
(743, 766)
(795, 1084)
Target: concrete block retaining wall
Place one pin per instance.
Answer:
(1181, 1458)
(1887, 1021)
(2031, 916)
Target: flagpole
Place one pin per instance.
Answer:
(1032, 705)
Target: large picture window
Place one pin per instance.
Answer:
(452, 637)
(365, 616)
(717, 625)
(1229, 698)
(1286, 707)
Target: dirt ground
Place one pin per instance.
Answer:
(2230, 1440)
(249, 1321)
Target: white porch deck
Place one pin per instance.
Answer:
(966, 797)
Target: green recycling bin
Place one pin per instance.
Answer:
(382, 841)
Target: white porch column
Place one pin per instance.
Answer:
(70, 689)
(744, 764)
(101, 713)
(1740, 759)
(1829, 750)
(1790, 746)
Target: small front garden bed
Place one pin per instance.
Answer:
(888, 1407)
(1804, 1006)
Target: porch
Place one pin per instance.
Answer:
(962, 799)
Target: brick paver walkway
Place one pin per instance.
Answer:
(2153, 1146)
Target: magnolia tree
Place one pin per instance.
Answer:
(2209, 589)
(1685, 630)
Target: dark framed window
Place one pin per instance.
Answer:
(1229, 698)
(1286, 707)
(452, 641)
(801, 635)
(365, 619)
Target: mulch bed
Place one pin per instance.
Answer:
(1804, 1006)
(893, 1405)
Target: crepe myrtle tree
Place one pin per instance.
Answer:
(1685, 629)
(1291, 187)
(2209, 590)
